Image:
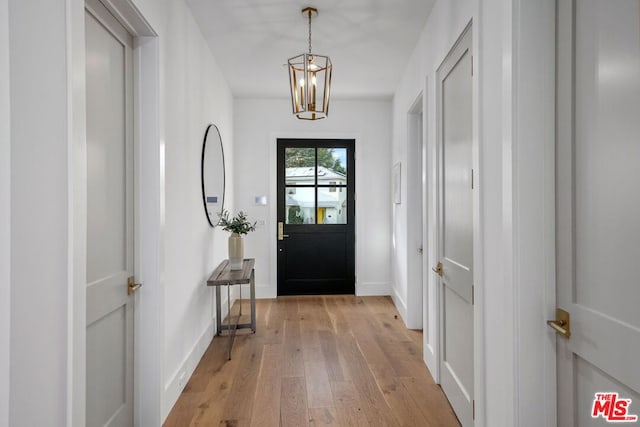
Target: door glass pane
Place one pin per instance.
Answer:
(300, 166)
(332, 166)
(332, 205)
(300, 203)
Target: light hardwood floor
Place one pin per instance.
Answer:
(316, 361)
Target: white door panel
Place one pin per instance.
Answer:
(457, 278)
(106, 160)
(590, 380)
(107, 395)
(598, 204)
(607, 132)
(110, 243)
(458, 348)
(456, 230)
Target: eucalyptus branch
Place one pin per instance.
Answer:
(238, 224)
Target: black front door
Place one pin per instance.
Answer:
(316, 216)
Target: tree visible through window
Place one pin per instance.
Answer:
(300, 157)
(295, 215)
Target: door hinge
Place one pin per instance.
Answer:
(474, 409)
(472, 65)
(354, 196)
(472, 182)
(473, 295)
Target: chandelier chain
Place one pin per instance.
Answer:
(309, 13)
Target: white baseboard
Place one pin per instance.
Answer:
(263, 291)
(266, 292)
(373, 289)
(401, 306)
(174, 386)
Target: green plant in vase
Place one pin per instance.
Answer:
(238, 226)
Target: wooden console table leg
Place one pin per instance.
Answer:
(230, 339)
(218, 312)
(252, 287)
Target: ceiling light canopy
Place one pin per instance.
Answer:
(310, 80)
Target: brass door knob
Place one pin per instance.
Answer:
(438, 269)
(561, 324)
(132, 286)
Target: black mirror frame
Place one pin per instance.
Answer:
(224, 173)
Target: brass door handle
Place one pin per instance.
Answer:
(281, 234)
(438, 269)
(132, 286)
(562, 324)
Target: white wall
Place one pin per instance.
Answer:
(193, 93)
(39, 228)
(5, 176)
(444, 25)
(496, 293)
(513, 51)
(259, 122)
(533, 237)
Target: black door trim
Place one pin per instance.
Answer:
(319, 281)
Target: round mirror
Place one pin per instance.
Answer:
(212, 172)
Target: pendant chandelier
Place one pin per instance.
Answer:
(310, 80)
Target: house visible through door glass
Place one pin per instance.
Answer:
(316, 180)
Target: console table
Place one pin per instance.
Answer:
(224, 276)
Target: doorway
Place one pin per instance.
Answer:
(455, 231)
(416, 220)
(148, 199)
(597, 208)
(316, 216)
(110, 219)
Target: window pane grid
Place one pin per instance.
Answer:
(316, 183)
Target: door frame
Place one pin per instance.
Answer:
(416, 199)
(148, 202)
(528, 222)
(350, 146)
(5, 209)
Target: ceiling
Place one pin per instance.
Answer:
(369, 41)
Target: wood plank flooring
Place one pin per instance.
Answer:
(316, 361)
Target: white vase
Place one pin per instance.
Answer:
(236, 251)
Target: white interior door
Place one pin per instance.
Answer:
(110, 245)
(456, 229)
(598, 210)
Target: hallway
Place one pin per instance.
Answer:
(317, 361)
